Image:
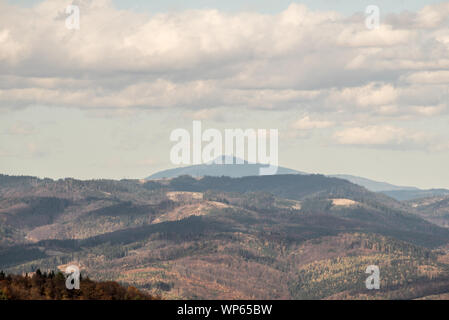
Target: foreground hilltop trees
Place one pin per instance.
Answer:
(51, 286)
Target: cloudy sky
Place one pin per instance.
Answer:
(101, 101)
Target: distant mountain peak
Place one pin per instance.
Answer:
(223, 165)
(228, 159)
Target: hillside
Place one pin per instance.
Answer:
(281, 237)
(252, 169)
(406, 195)
(372, 185)
(51, 286)
(434, 209)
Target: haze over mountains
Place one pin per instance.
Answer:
(252, 169)
(215, 169)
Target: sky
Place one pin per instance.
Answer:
(101, 101)
(262, 6)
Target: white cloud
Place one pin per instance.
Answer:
(209, 114)
(206, 58)
(384, 36)
(366, 96)
(306, 123)
(308, 62)
(433, 16)
(429, 110)
(11, 50)
(381, 135)
(429, 77)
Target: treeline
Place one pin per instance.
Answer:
(51, 286)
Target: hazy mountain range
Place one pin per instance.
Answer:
(252, 169)
(213, 169)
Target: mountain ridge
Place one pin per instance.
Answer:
(256, 237)
(252, 169)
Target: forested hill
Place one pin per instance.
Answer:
(51, 286)
(260, 237)
(291, 186)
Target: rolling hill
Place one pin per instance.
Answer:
(434, 209)
(281, 237)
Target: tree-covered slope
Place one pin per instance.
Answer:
(286, 236)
